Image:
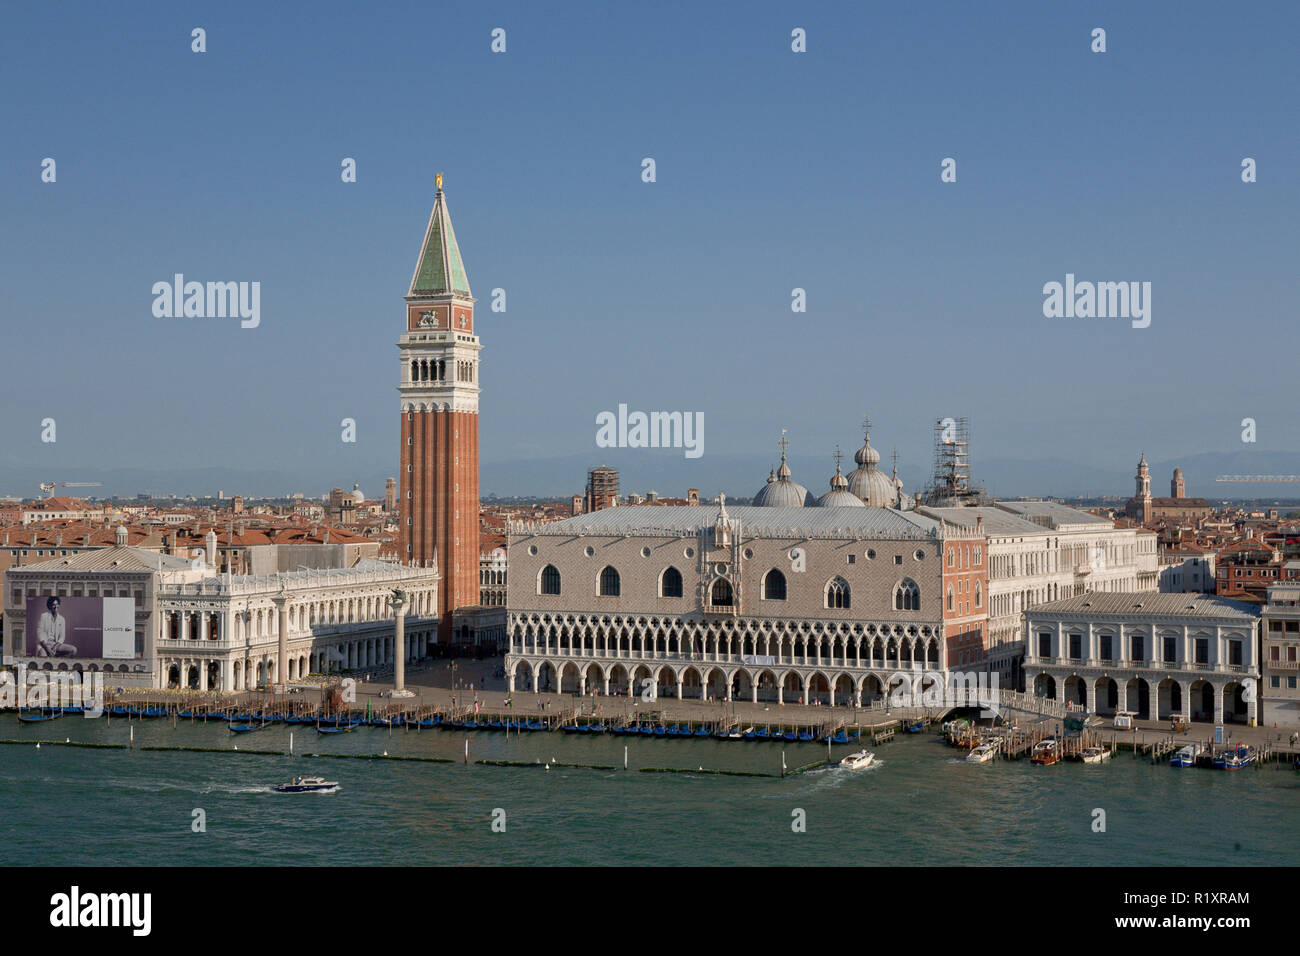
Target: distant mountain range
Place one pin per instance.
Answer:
(671, 474)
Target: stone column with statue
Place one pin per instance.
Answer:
(399, 602)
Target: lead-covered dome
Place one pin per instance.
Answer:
(782, 491)
(867, 482)
(839, 496)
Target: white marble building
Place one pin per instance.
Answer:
(1153, 654)
(196, 627)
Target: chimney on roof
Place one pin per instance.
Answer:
(85, 541)
(211, 542)
(58, 540)
(119, 536)
(243, 526)
(979, 524)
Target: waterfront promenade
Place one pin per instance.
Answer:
(457, 684)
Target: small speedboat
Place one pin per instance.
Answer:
(1045, 753)
(1094, 754)
(858, 761)
(982, 754)
(307, 785)
(1186, 757)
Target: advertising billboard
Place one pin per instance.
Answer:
(81, 627)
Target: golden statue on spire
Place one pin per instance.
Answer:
(438, 179)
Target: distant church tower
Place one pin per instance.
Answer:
(1143, 479)
(439, 396)
(1140, 505)
(1177, 487)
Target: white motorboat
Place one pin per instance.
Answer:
(307, 785)
(982, 754)
(1186, 757)
(1095, 754)
(859, 760)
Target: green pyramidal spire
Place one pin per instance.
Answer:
(439, 270)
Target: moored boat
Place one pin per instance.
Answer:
(1243, 756)
(37, 716)
(244, 727)
(1094, 754)
(1185, 757)
(1045, 753)
(337, 728)
(982, 754)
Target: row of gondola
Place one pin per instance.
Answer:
(685, 730)
(242, 723)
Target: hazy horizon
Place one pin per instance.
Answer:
(775, 171)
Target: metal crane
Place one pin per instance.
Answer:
(49, 486)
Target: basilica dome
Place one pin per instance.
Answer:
(781, 491)
(871, 485)
(839, 496)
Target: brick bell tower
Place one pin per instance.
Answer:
(439, 396)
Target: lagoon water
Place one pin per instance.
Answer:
(920, 805)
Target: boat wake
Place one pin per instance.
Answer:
(835, 776)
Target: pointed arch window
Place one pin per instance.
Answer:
(907, 596)
(721, 595)
(950, 597)
(609, 582)
(670, 584)
(837, 594)
(550, 580)
(774, 586)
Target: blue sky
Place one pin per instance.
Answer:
(775, 170)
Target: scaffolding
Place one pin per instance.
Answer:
(602, 488)
(950, 479)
